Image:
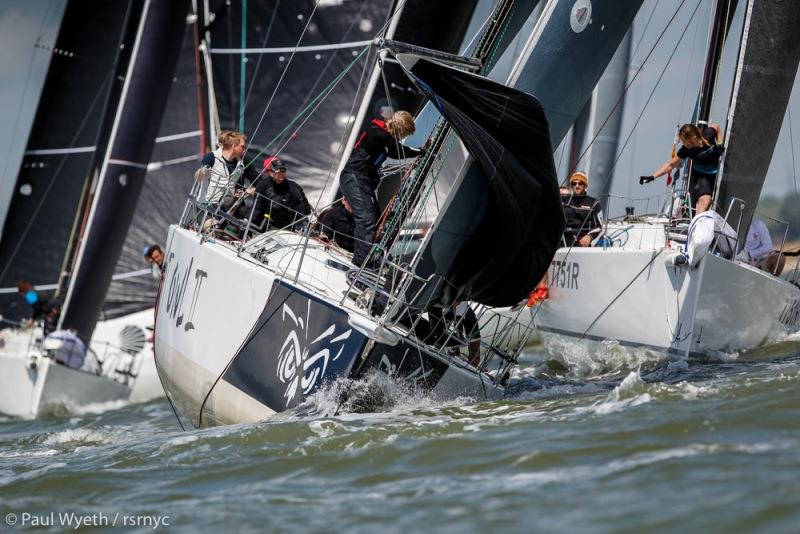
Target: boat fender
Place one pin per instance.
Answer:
(678, 259)
(373, 330)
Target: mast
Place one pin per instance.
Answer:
(715, 43)
(121, 177)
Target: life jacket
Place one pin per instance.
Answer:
(220, 177)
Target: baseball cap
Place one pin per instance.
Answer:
(274, 164)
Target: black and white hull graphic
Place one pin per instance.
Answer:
(298, 343)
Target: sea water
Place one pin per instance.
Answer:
(609, 442)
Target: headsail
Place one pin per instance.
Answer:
(766, 70)
(511, 204)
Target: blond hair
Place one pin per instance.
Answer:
(229, 138)
(401, 124)
(690, 132)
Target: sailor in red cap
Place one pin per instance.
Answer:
(284, 202)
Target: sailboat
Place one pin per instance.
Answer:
(638, 291)
(249, 328)
(106, 116)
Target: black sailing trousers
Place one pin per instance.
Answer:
(358, 191)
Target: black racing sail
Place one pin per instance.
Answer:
(177, 148)
(62, 148)
(305, 47)
(563, 60)
(506, 216)
(765, 73)
(130, 143)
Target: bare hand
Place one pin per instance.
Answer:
(585, 241)
(251, 191)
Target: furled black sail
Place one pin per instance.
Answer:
(130, 145)
(61, 149)
(766, 70)
(509, 210)
(166, 184)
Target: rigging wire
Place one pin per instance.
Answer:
(333, 55)
(650, 96)
(263, 45)
(630, 83)
(283, 74)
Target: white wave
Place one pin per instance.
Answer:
(585, 359)
(632, 391)
(28, 453)
(181, 440)
(83, 436)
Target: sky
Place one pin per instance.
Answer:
(673, 100)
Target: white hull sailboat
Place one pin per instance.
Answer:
(636, 296)
(119, 366)
(243, 334)
(245, 329)
(639, 290)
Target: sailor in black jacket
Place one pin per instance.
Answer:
(582, 213)
(282, 200)
(337, 225)
(360, 176)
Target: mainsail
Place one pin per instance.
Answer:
(130, 143)
(513, 208)
(61, 150)
(571, 46)
(166, 185)
(593, 149)
(302, 47)
(766, 70)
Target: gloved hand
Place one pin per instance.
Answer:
(646, 179)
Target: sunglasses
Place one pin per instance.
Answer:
(573, 184)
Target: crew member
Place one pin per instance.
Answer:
(155, 257)
(360, 177)
(337, 225)
(760, 251)
(48, 312)
(582, 212)
(228, 176)
(284, 201)
(704, 148)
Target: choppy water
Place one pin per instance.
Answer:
(627, 444)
